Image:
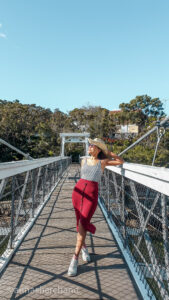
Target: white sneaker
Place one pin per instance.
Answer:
(72, 271)
(85, 255)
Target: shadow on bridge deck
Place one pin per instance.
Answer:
(38, 269)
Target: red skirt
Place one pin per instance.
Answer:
(85, 199)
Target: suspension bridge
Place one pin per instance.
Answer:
(129, 251)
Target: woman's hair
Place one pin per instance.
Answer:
(102, 155)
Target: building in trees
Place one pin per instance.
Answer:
(124, 126)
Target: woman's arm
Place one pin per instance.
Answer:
(115, 162)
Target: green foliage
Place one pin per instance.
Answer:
(141, 109)
(36, 130)
(144, 104)
(29, 128)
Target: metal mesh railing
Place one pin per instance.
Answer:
(140, 214)
(22, 193)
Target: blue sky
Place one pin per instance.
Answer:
(69, 53)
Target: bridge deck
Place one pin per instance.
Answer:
(38, 270)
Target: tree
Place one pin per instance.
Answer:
(35, 130)
(145, 104)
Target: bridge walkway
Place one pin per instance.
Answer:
(38, 270)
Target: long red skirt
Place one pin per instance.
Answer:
(85, 199)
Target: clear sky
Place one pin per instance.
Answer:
(69, 53)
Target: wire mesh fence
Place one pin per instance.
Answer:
(22, 193)
(140, 215)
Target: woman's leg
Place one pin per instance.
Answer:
(72, 271)
(84, 245)
(81, 235)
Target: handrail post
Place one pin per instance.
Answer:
(165, 234)
(50, 176)
(12, 212)
(33, 193)
(123, 210)
(61, 168)
(108, 194)
(43, 182)
(55, 172)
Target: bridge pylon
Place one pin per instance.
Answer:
(73, 137)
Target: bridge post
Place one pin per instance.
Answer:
(165, 232)
(74, 138)
(33, 193)
(12, 212)
(86, 144)
(43, 183)
(61, 168)
(123, 210)
(108, 194)
(62, 146)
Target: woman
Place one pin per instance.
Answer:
(85, 195)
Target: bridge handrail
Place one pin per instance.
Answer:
(25, 187)
(156, 178)
(135, 201)
(12, 168)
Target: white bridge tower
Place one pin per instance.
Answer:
(74, 138)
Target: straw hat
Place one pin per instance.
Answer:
(99, 143)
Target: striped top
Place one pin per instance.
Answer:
(92, 173)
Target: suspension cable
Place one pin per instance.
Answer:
(160, 124)
(16, 149)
